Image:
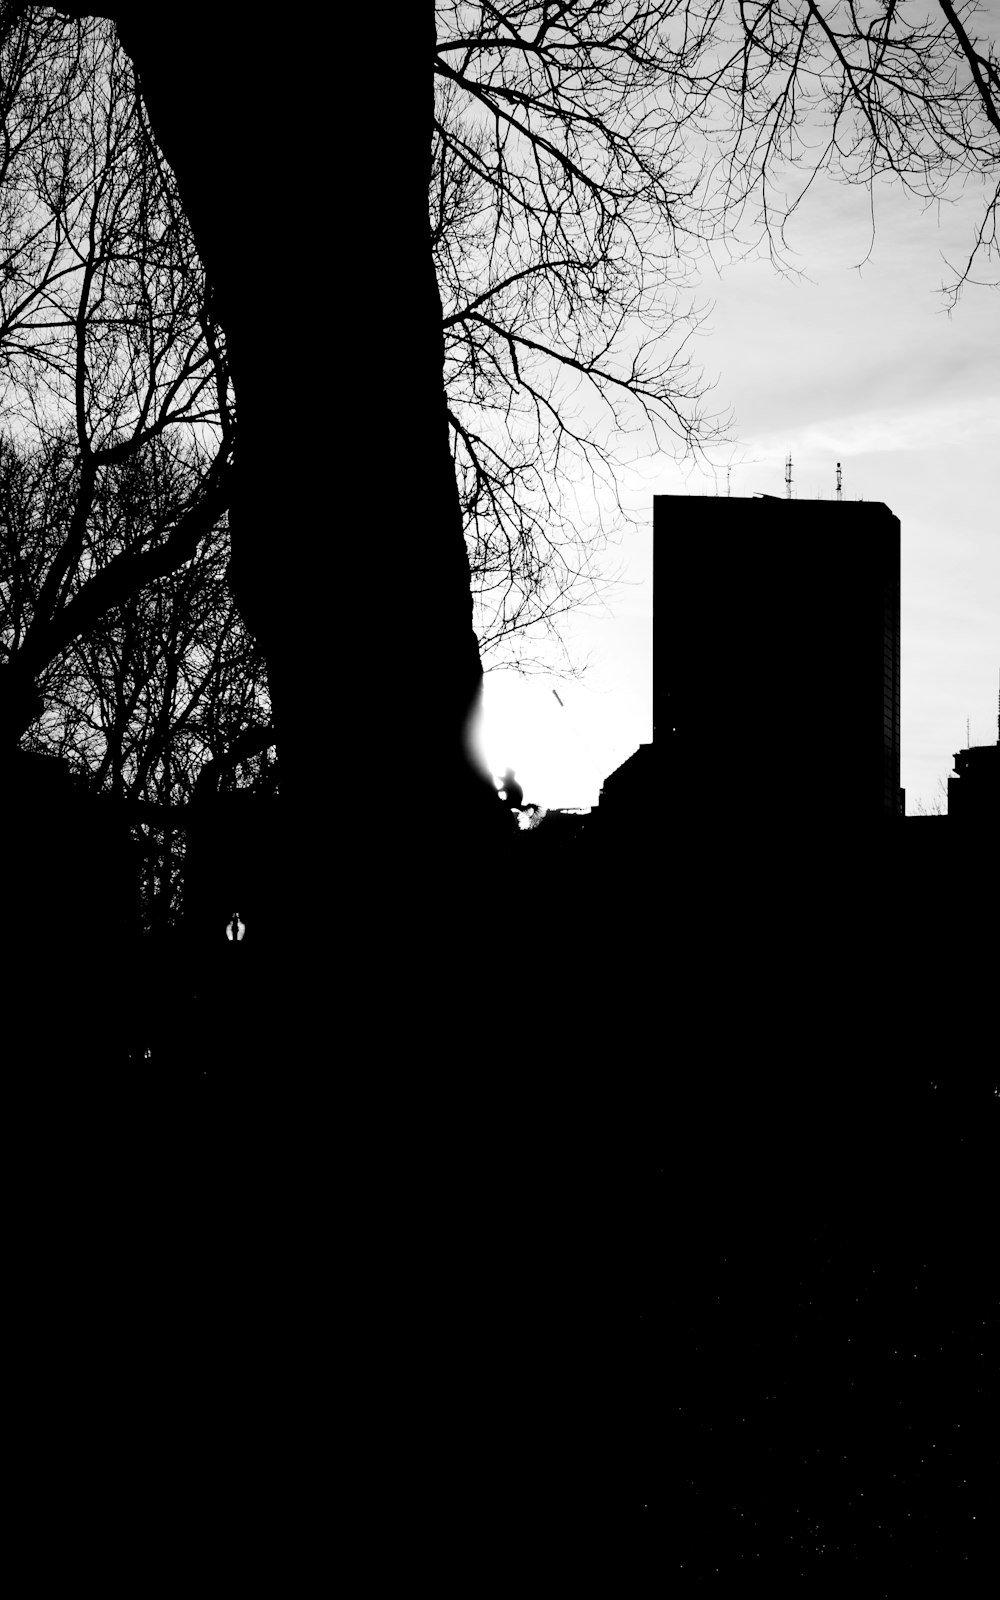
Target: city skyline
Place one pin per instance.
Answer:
(858, 365)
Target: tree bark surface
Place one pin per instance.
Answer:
(304, 173)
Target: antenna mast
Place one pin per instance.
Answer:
(788, 476)
(839, 495)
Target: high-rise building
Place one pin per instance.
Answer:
(974, 786)
(776, 660)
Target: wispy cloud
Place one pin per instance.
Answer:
(927, 427)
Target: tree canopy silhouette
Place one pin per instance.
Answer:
(584, 156)
(116, 418)
(593, 141)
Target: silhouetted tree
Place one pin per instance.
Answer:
(938, 806)
(565, 334)
(118, 426)
(356, 574)
(866, 92)
(582, 156)
(160, 684)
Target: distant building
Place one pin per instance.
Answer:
(776, 656)
(974, 786)
(631, 792)
(776, 666)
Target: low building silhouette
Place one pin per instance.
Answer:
(631, 792)
(974, 786)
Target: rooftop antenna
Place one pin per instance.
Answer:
(839, 485)
(788, 476)
(968, 741)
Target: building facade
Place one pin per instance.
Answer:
(776, 660)
(974, 786)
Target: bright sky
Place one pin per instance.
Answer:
(862, 366)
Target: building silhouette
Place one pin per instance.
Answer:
(632, 791)
(776, 668)
(974, 786)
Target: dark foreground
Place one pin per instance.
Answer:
(652, 1247)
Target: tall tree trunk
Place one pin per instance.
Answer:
(305, 180)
